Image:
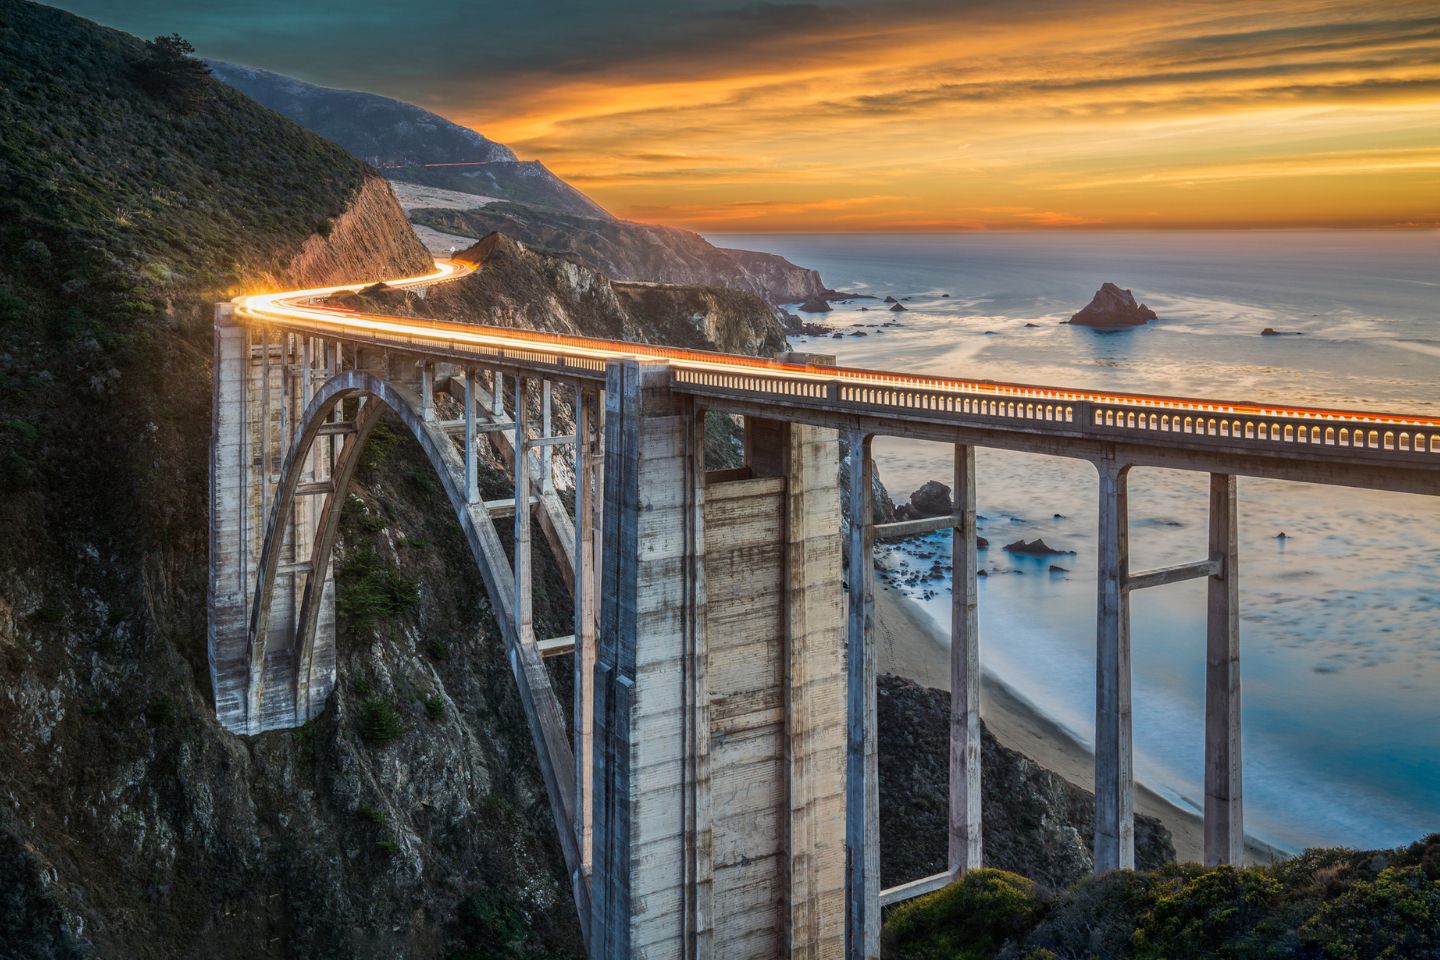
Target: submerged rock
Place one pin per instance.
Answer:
(1111, 308)
(1034, 548)
(1272, 332)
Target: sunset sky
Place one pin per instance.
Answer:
(900, 116)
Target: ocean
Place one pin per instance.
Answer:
(1340, 629)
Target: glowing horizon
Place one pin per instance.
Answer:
(1283, 115)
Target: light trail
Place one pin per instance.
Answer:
(294, 306)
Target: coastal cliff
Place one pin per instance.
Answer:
(633, 251)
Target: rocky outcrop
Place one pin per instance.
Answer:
(1034, 822)
(515, 286)
(632, 251)
(1113, 308)
(898, 308)
(783, 281)
(371, 238)
(815, 305)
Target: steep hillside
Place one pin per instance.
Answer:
(375, 128)
(633, 251)
(403, 139)
(135, 192)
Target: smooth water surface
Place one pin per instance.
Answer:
(1341, 617)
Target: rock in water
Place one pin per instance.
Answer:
(815, 305)
(898, 307)
(932, 500)
(1034, 548)
(1112, 308)
(891, 300)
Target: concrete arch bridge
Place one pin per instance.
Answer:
(713, 781)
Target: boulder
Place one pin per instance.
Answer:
(1113, 308)
(932, 500)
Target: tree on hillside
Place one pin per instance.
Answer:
(171, 71)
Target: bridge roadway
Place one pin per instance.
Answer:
(1248, 438)
(675, 628)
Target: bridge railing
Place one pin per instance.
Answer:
(1346, 435)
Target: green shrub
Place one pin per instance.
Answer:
(1395, 915)
(160, 710)
(372, 813)
(388, 846)
(492, 924)
(368, 590)
(435, 707)
(1222, 912)
(379, 721)
(970, 919)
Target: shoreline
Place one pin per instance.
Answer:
(912, 646)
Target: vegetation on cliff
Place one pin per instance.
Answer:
(1327, 904)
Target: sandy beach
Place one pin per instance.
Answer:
(911, 646)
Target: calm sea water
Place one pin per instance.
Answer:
(1341, 618)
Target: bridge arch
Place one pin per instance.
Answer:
(378, 395)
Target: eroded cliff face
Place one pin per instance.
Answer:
(515, 286)
(633, 251)
(371, 240)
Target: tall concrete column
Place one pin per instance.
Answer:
(585, 596)
(231, 567)
(862, 790)
(1114, 750)
(650, 890)
(813, 683)
(1224, 808)
(965, 838)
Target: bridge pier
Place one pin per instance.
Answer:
(717, 733)
(1224, 833)
(262, 386)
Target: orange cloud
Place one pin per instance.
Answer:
(1277, 113)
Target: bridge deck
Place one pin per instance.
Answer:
(1380, 450)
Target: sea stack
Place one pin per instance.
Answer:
(1113, 308)
(815, 305)
(897, 308)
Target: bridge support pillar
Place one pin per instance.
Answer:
(260, 390)
(718, 739)
(862, 779)
(1114, 748)
(1224, 819)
